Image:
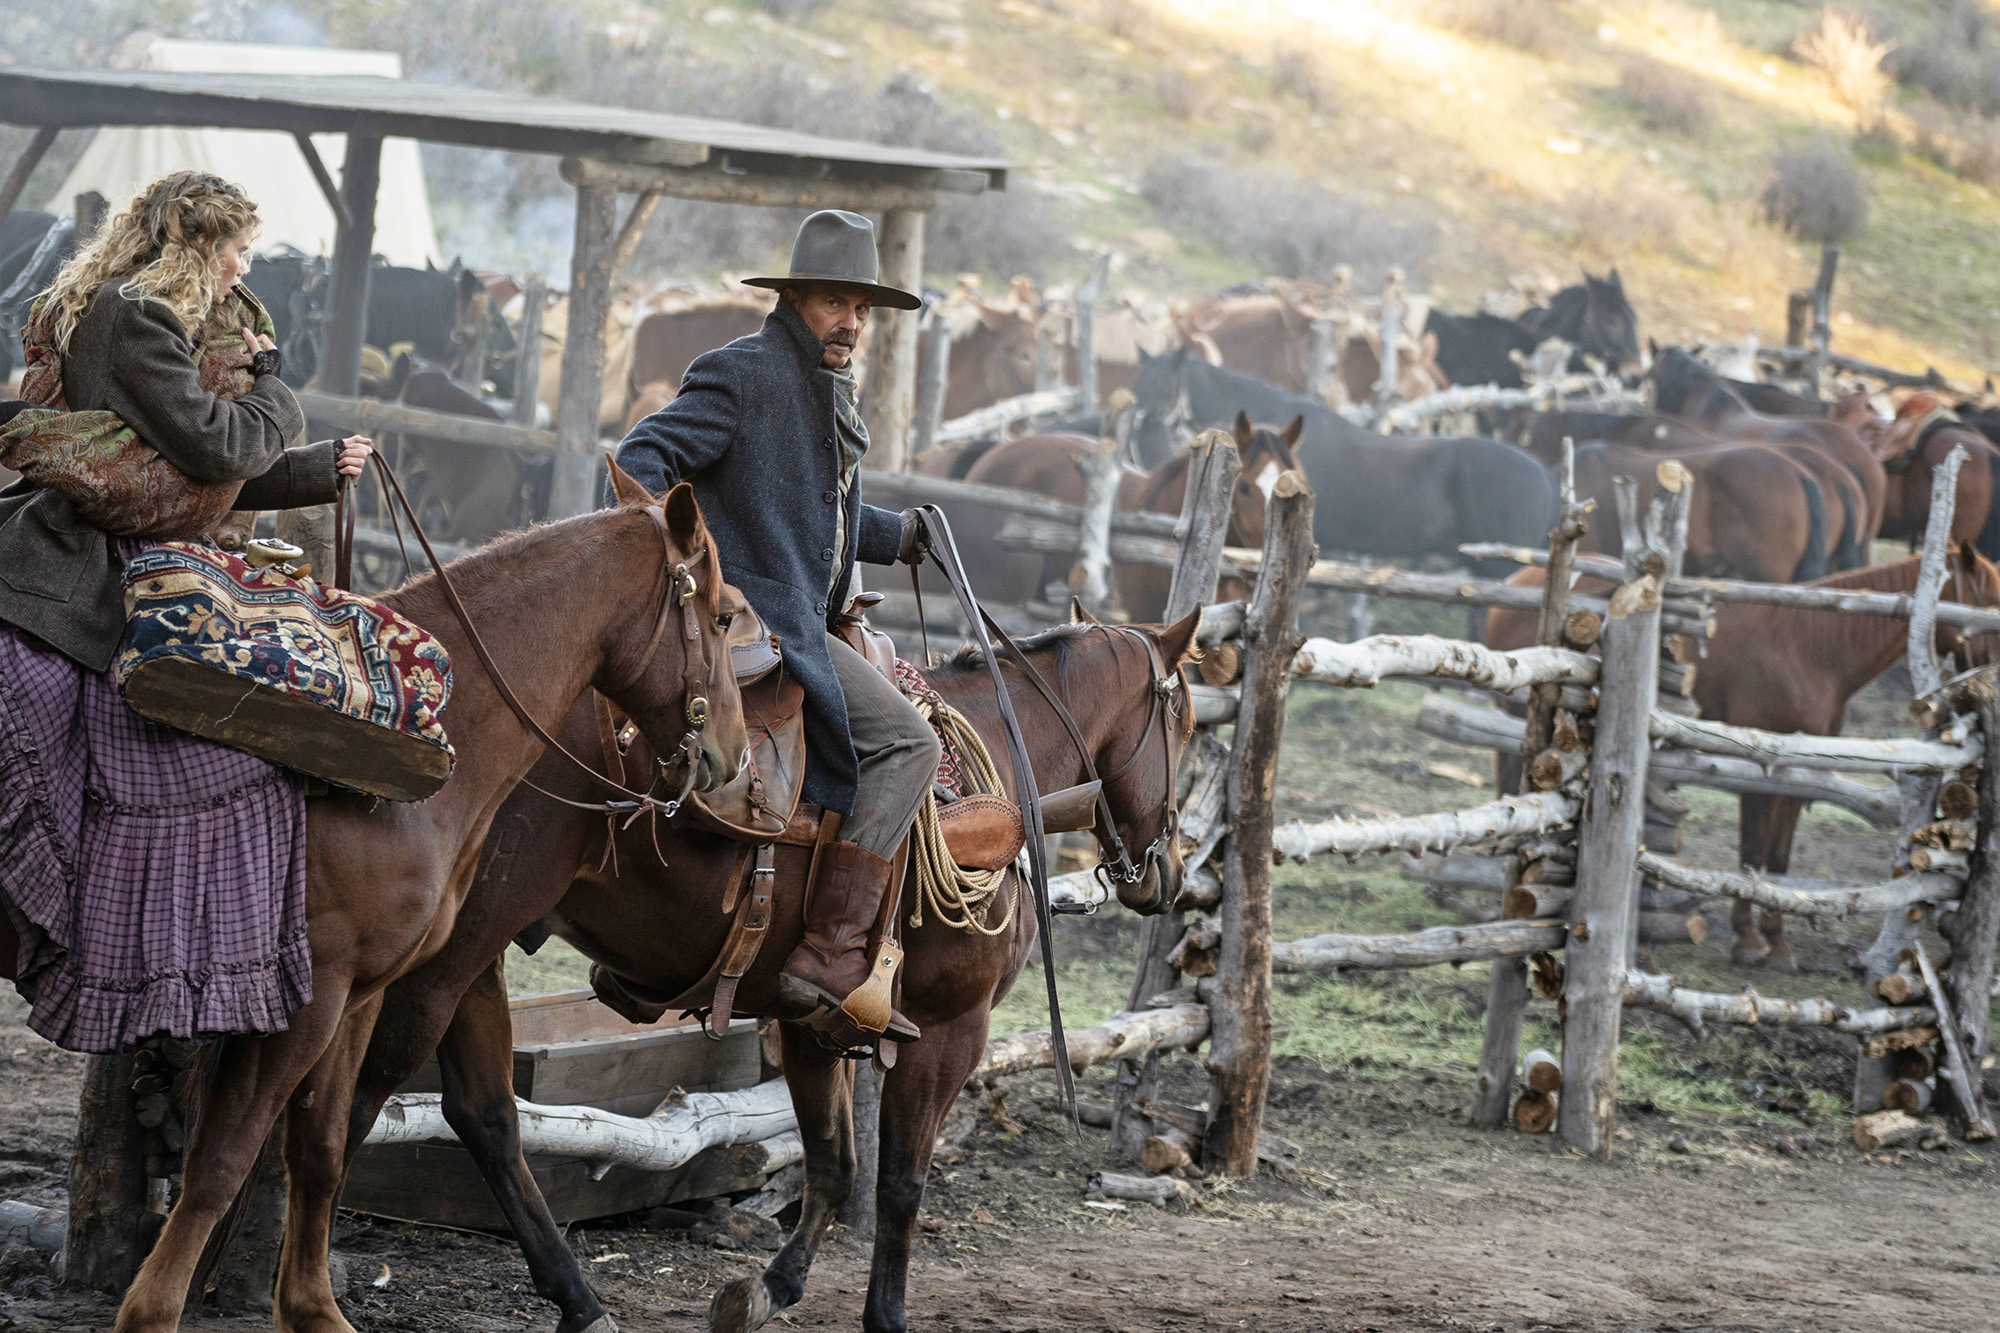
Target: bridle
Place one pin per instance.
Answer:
(1116, 864)
(681, 589)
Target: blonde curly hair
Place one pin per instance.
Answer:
(161, 246)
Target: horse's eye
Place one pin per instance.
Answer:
(722, 622)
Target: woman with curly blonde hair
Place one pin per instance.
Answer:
(152, 881)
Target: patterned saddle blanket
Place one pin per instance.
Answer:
(330, 683)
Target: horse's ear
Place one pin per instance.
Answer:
(1078, 615)
(623, 486)
(1177, 640)
(683, 516)
(1242, 431)
(1294, 431)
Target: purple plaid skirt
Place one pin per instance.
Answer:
(157, 881)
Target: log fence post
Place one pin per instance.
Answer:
(110, 1226)
(1917, 792)
(1239, 1058)
(1507, 990)
(1968, 977)
(1391, 334)
(528, 359)
(1822, 322)
(892, 347)
(1048, 357)
(1319, 371)
(1603, 910)
(1090, 577)
(1203, 527)
(933, 377)
(1086, 299)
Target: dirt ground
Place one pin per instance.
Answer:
(1401, 1218)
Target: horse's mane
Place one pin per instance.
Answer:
(1062, 638)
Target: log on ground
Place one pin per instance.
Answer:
(1125, 1034)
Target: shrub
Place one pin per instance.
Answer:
(1534, 26)
(1129, 19)
(1666, 97)
(1845, 50)
(1285, 226)
(1817, 193)
(1179, 94)
(1955, 57)
(793, 11)
(1296, 68)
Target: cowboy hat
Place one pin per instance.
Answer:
(837, 246)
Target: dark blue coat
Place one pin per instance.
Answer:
(753, 431)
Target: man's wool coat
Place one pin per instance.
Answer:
(753, 430)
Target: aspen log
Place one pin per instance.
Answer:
(1465, 871)
(1196, 953)
(1405, 418)
(1959, 1069)
(1938, 861)
(1951, 835)
(780, 1192)
(1914, 1064)
(1471, 724)
(1901, 988)
(1852, 754)
(1090, 579)
(1886, 1129)
(1802, 896)
(668, 1138)
(1555, 767)
(1201, 891)
(1365, 662)
(1672, 928)
(1539, 901)
(1424, 948)
(995, 418)
(1222, 664)
(1907, 1096)
(1581, 628)
(1542, 1072)
(1958, 800)
(1649, 990)
(1969, 975)
(1681, 617)
(1220, 621)
(1121, 1035)
(1508, 816)
(1891, 1043)
(1535, 1112)
(1169, 1148)
(1160, 1191)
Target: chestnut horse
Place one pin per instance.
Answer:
(1791, 670)
(1048, 465)
(1911, 449)
(653, 913)
(565, 608)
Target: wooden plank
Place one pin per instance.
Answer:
(574, 488)
(24, 166)
(1239, 1062)
(372, 416)
(1607, 843)
(438, 1183)
(348, 275)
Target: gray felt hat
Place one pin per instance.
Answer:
(836, 246)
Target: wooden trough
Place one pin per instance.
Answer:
(569, 1050)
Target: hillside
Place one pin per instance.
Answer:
(1209, 142)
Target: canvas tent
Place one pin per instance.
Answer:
(267, 163)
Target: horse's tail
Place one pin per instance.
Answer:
(1812, 565)
(1853, 545)
(1989, 536)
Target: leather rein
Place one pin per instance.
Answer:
(681, 589)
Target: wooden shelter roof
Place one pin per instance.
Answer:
(476, 118)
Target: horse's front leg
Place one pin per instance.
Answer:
(315, 1139)
(254, 1076)
(822, 1089)
(476, 1058)
(917, 1095)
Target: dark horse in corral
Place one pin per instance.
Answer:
(1378, 495)
(1593, 317)
(1790, 670)
(654, 914)
(1049, 465)
(565, 608)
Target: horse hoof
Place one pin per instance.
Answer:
(1745, 956)
(1782, 961)
(741, 1306)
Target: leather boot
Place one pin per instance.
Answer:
(831, 978)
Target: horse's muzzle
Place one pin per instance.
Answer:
(1149, 895)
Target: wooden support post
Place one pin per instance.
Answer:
(933, 378)
(342, 218)
(1090, 578)
(1607, 876)
(1507, 989)
(1048, 357)
(1822, 315)
(892, 346)
(110, 1229)
(1798, 316)
(1087, 297)
(90, 209)
(1391, 334)
(1918, 793)
(24, 166)
(528, 359)
(1203, 527)
(347, 278)
(574, 488)
(1239, 1058)
(1325, 349)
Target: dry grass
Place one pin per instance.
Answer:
(1816, 192)
(1534, 26)
(1845, 49)
(1666, 97)
(1178, 93)
(1129, 19)
(1298, 68)
(1966, 144)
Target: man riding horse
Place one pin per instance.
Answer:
(768, 433)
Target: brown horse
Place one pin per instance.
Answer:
(1911, 449)
(1790, 670)
(654, 915)
(1047, 465)
(565, 608)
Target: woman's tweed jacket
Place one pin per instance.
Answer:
(60, 578)
(754, 431)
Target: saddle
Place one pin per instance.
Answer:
(1921, 413)
(762, 810)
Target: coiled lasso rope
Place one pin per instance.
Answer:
(958, 897)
